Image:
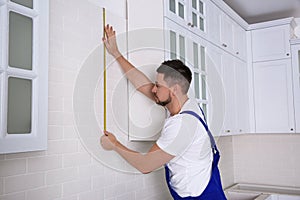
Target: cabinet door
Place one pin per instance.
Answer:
(228, 76)
(177, 11)
(242, 97)
(273, 97)
(240, 42)
(214, 15)
(271, 43)
(197, 16)
(296, 79)
(227, 33)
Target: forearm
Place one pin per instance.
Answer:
(135, 159)
(138, 79)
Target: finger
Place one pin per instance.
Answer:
(106, 133)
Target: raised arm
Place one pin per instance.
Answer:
(139, 80)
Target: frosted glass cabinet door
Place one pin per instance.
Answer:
(273, 97)
(20, 41)
(26, 3)
(19, 106)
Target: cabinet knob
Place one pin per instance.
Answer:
(190, 24)
(292, 129)
(224, 45)
(288, 54)
(237, 53)
(227, 131)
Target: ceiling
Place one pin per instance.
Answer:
(254, 11)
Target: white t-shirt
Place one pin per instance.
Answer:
(184, 137)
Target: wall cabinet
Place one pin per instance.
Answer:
(272, 77)
(271, 43)
(190, 14)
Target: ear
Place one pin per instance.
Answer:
(176, 89)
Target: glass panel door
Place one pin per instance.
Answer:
(26, 3)
(20, 41)
(19, 105)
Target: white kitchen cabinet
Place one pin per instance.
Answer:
(242, 97)
(190, 14)
(296, 79)
(271, 43)
(273, 97)
(227, 33)
(224, 32)
(240, 42)
(145, 39)
(228, 84)
(182, 44)
(228, 77)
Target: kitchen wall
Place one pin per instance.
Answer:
(267, 159)
(68, 170)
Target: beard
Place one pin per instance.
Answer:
(164, 103)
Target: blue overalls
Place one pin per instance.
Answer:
(213, 190)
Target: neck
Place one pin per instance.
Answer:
(176, 104)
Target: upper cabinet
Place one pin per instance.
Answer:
(271, 43)
(191, 14)
(273, 93)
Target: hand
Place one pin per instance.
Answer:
(110, 41)
(108, 141)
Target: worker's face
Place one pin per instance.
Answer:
(161, 91)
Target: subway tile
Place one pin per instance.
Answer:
(76, 187)
(135, 185)
(55, 104)
(61, 176)
(55, 132)
(68, 119)
(77, 159)
(24, 155)
(23, 182)
(44, 163)
(110, 191)
(15, 196)
(103, 181)
(55, 118)
(89, 171)
(56, 90)
(62, 147)
(56, 75)
(46, 193)
(12, 167)
(92, 195)
(129, 196)
(70, 132)
(75, 197)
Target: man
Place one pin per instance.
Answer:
(184, 146)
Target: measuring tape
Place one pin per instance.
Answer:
(104, 73)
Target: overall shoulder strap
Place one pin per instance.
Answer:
(212, 140)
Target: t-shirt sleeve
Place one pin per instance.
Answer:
(177, 134)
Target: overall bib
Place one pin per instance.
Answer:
(213, 190)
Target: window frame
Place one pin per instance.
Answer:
(37, 138)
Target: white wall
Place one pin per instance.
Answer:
(271, 159)
(67, 170)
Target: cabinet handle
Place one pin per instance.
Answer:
(190, 24)
(224, 45)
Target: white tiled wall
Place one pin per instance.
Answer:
(66, 171)
(267, 159)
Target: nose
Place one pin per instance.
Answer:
(154, 89)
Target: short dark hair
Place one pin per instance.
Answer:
(176, 72)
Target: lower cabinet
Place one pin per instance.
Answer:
(273, 97)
